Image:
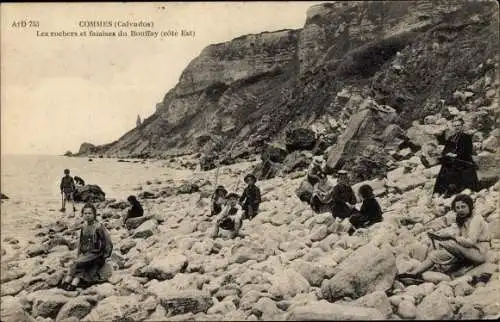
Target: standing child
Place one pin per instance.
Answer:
(94, 247)
(67, 187)
(250, 199)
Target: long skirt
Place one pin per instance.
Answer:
(87, 267)
(454, 177)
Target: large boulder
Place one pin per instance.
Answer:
(304, 191)
(377, 300)
(300, 139)
(274, 153)
(146, 229)
(118, 308)
(420, 134)
(367, 270)
(486, 298)
(77, 307)
(89, 193)
(437, 305)
(165, 267)
(324, 311)
(288, 283)
(47, 303)
(133, 223)
(181, 302)
(295, 161)
(314, 272)
(244, 252)
(487, 172)
(12, 310)
(12, 287)
(188, 188)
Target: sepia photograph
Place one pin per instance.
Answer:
(250, 161)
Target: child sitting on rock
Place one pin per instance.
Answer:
(136, 209)
(94, 247)
(370, 211)
(466, 244)
(218, 200)
(230, 218)
(250, 199)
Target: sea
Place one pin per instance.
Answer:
(32, 184)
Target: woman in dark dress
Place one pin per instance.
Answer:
(370, 211)
(344, 198)
(136, 209)
(458, 169)
(94, 247)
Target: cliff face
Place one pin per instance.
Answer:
(411, 56)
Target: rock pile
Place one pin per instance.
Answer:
(290, 264)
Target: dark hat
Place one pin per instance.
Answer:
(221, 188)
(248, 176)
(232, 195)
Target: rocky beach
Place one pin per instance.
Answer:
(373, 88)
(289, 263)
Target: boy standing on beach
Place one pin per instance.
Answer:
(250, 199)
(67, 189)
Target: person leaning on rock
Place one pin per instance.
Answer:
(344, 198)
(466, 243)
(230, 219)
(250, 199)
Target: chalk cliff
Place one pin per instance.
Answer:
(407, 57)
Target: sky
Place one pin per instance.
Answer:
(58, 92)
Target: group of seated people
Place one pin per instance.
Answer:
(466, 242)
(232, 209)
(340, 199)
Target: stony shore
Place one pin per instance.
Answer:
(289, 264)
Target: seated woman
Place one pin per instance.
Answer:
(94, 247)
(458, 169)
(136, 210)
(230, 218)
(467, 245)
(218, 200)
(322, 197)
(370, 211)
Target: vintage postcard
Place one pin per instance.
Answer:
(323, 160)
